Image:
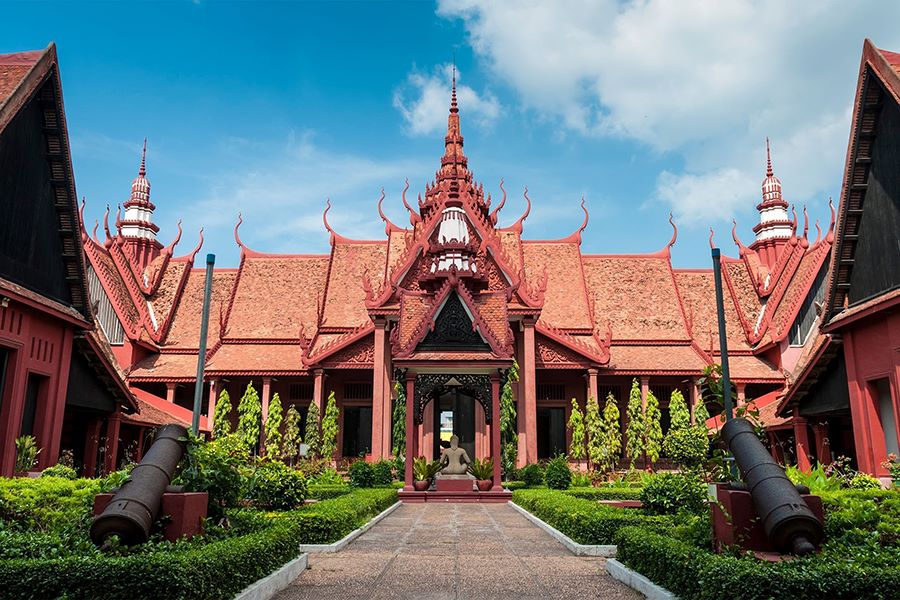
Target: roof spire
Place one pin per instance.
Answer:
(769, 171)
(142, 172)
(453, 107)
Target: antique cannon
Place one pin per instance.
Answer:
(788, 522)
(136, 505)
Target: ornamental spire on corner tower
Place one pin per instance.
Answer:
(137, 229)
(774, 227)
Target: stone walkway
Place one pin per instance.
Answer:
(468, 551)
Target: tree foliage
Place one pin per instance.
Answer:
(612, 433)
(249, 418)
(634, 432)
(221, 416)
(330, 427)
(576, 427)
(291, 442)
(686, 444)
(593, 424)
(653, 436)
(273, 428)
(399, 418)
(312, 430)
(509, 439)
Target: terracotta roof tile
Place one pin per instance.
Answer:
(795, 294)
(492, 309)
(767, 406)
(344, 298)
(637, 294)
(14, 68)
(752, 367)
(698, 293)
(165, 366)
(276, 296)
(855, 310)
(413, 309)
(155, 411)
(163, 299)
(396, 250)
(115, 286)
(257, 357)
(185, 329)
(565, 301)
(512, 246)
(744, 291)
(655, 358)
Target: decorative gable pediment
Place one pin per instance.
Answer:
(453, 329)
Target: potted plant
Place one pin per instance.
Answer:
(483, 471)
(26, 453)
(423, 472)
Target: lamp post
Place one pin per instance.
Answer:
(201, 353)
(723, 347)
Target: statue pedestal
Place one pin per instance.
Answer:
(454, 483)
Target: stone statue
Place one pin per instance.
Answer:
(455, 460)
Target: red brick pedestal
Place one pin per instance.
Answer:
(186, 512)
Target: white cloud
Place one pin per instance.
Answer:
(425, 98)
(703, 81)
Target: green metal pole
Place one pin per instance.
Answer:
(201, 354)
(723, 340)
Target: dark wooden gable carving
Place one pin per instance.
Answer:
(453, 329)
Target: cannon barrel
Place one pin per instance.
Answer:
(134, 508)
(788, 522)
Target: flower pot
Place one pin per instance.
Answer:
(420, 486)
(484, 485)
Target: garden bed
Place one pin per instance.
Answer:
(45, 551)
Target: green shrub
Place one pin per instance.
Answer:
(693, 573)
(532, 474)
(328, 521)
(558, 475)
(60, 471)
(668, 493)
(818, 480)
(47, 504)
(581, 479)
(316, 471)
(361, 474)
(863, 481)
(605, 493)
(514, 485)
(26, 453)
(277, 486)
(216, 468)
(585, 521)
(383, 472)
(482, 469)
(328, 491)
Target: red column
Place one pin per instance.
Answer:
(170, 391)
(378, 404)
(139, 453)
(592, 385)
(801, 442)
(645, 387)
(410, 431)
(741, 394)
(428, 432)
(495, 430)
(211, 405)
(113, 424)
(530, 392)
(91, 445)
(823, 447)
(693, 398)
(318, 388)
(859, 417)
(51, 429)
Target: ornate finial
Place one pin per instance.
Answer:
(453, 107)
(769, 171)
(674, 231)
(517, 226)
(142, 172)
(496, 212)
(712, 234)
(829, 237)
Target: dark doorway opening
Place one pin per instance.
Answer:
(357, 431)
(551, 432)
(454, 414)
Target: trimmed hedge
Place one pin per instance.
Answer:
(605, 493)
(585, 521)
(328, 491)
(219, 569)
(514, 485)
(693, 573)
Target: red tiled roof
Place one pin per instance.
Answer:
(767, 404)
(637, 294)
(752, 367)
(797, 290)
(511, 243)
(280, 358)
(887, 299)
(165, 366)
(413, 309)
(698, 292)
(184, 332)
(277, 295)
(565, 301)
(163, 299)
(344, 297)
(655, 358)
(744, 291)
(114, 285)
(155, 411)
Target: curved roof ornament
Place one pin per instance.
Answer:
(818, 233)
(196, 249)
(119, 218)
(237, 237)
(517, 226)
(84, 235)
(94, 232)
(674, 231)
(829, 237)
(171, 247)
(388, 226)
(712, 234)
(804, 240)
(495, 213)
(741, 247)
(108, 241)
(414, 217)
(794, 223)
(334, 236)
(576, 235)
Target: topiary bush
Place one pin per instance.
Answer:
(669, 493)
(383, 472)
(558, 475)
(61, 471)
(532, 474)
(361, 474)
(277, 486)
(327, 491)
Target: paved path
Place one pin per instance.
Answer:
(467, 551)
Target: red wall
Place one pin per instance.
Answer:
(872, 352)
(40, 344)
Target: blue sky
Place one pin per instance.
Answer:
(641, 107)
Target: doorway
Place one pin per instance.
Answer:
(454, 414)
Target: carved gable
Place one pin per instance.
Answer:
(453, 329)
